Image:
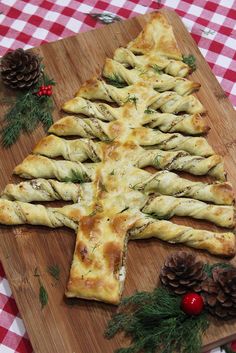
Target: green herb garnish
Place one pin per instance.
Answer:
(54, 271)
(43, 296)
(133, 99)
(157, 69)
(116, 81)
(149, 111)
(26, 113)
(190, 60)
(208, 268)
(156, 323)
(76, 177)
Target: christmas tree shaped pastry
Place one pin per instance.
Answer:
(141, 113)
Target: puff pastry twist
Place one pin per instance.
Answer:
(169, 66)
(35, 166)
(100, 111)
(17, 212)
(188, 124)
(215, 243)
(168, 183)
(159, 81)
(80, 150)
(73, 125)
(165, 207)
(73, 150)
(182, 161)
(167, 102)
(172, 141)
(41, 190)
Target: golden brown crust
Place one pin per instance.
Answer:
(158, 37)
(138, 127)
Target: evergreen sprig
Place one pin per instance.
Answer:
(208, 268)
(26, 112)
(156, 323)
(190, 60)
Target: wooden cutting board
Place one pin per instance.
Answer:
(77, 326)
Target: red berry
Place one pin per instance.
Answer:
(49, 86)
(192, 304)
(39, 94)
(44, 91)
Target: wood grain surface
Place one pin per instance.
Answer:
(77, 326)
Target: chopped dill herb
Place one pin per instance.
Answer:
(54, 271)
(190, 60)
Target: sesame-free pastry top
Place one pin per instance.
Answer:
(140, 113)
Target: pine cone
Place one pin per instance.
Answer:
(219, 292)
(182, 273)
(20, 69)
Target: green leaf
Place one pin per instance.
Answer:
(190, 60)
(43, 296)
(132, 98)
(157, 69)
(149, 111)
(116, 81)
(54, 271)
(76, 177)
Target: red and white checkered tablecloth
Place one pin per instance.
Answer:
(25, 24)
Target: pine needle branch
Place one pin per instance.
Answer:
(27, 111)
(155, 322)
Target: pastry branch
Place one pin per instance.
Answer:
(197, 146)
(166, 122)
(167, 102)
(182, 161)
(82, 149)
(168, 183)
(165, 207)
(214, 243)
(35, 166)
(73, 150)
(17, 212)
(171, 102)
(169, 66)
(188, 124)
(73, 125)
(42, 190)
(159, 81)
(100, 111)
